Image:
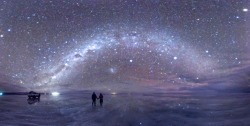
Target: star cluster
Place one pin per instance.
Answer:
(107, 44)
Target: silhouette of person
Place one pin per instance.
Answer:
(39, 97)
(101, 99)
(94, 97)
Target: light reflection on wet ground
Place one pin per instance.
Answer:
(128, 109)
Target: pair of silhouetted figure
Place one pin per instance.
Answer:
(94, 97)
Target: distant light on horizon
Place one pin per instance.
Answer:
(55, 93)
(1, 93)
(245, 9)
(113, 93)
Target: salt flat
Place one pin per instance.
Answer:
(128, 109)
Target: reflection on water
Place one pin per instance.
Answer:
(128, 109)
(33, 100)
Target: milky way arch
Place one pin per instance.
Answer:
(78, 44)
(129, 53)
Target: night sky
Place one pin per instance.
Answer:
(172, 45)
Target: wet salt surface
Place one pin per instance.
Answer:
(128, 109)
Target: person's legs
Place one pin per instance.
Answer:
(94, 102)
(101, 101)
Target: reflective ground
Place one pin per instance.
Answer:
(133, 109)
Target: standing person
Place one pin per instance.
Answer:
(94, 97)
(101, 99)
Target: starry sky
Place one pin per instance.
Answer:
(171, 45)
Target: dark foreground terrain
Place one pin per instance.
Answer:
(128, 109)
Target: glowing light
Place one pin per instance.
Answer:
(175, 58)
(130, 61)
(113, 93)
(1, 93)
(54, 77)
(55, 93)
(112, 70)
(245, 10)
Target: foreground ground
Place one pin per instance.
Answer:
(128, 109)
